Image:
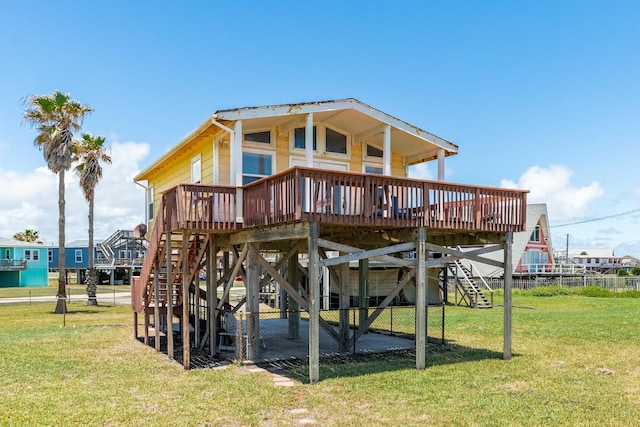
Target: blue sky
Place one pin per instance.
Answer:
(543, 95)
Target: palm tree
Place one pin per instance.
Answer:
(56, 118)
(90, 152)
(28, 235)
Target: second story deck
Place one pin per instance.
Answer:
(344, 199)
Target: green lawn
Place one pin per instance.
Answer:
(576, 362)
(52, 289)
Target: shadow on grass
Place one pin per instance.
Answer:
(364, 364)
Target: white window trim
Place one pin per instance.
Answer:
(371, 159)
(373, 165)
(271, 146)
(194, 160)
(78, 259)
(300, 161)
(259, 151)
(321, 143)
(150, 203)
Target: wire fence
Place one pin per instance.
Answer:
(612, 283)
(282, 335)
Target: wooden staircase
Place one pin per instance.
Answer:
(174, 258)
(472, 292)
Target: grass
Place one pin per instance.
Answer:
(575, 363)
(51, 290)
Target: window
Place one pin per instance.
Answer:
(256, 165)
(336, 142)
(374, 152)
(124, 254)
(27, 254)
(78, 256)
(35, 255)
(50, 253)
(263, 137)
(535, 235)
(299, 137)
(373, 169)
(150, 211)
(196, 170)
(7, 254)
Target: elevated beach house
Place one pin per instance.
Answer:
(290, 194)
(23, 264)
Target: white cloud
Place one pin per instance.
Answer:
(30, 200)
(552, 186)
(421, 171)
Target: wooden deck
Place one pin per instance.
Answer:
(340, 198)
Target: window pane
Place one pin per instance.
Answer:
(256, 164)
(196, 171)
(336, 142)
(299, 138)
(261, 137)
(36, 256)
(373, 169)
(249, 179)
(373, 151)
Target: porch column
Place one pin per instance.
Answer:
(508, 282)
(386, 151)
(440, 165)
(237, 164)
(308, 138)
(421, 315)
(314, 300)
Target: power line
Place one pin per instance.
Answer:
(597, 219)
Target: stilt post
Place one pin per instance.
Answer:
(421, 315)
(508, 283)
(314, 300)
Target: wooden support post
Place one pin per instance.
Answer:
(156, 307)
(212, 295)
(186, 342)
(135, 327)
(252, 285)
(314, 300)
(293, 277)
(421, 317)
(169, 299)
(225, 270)
(344, 303)
(508, 282)
(363, 289)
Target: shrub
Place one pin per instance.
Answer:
(623, 273)
(595, 291)
(635, 271)
(550, 291)
(628, 294)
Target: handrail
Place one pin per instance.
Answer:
(308, 194)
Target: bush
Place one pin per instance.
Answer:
(635, 271)
(623, 273)
(595, 291)
(628, 294)
(549, 291)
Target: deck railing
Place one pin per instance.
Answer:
(13, 264)
(306, 194)
(201, 207)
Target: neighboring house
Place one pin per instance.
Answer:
(629, 261)
(118, 257)
(22, 264)
(292, 183)
(532, 249)
(597, 260)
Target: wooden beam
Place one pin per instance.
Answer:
(169, 298)
(252, 284)
(236, 267)
(356, 254)
(394, 293)
(314, 302)
(508, 282)
(186, 343)
(284, 232)
(363, 290)
(369, 133)
(343, 305)
(459, 254)
(421, 282)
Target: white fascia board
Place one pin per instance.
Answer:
(174, 149)
(283, 110)
(404, 126)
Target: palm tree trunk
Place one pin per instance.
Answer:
(61, 305)
(91, 277)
